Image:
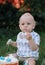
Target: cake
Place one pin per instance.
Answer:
(9, 60)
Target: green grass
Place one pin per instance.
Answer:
(4, 49)
(42, 47)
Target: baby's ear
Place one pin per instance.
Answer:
(34, 26)
(19, 25)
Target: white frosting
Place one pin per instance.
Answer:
(9, 59)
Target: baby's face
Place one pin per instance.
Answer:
(26, 25)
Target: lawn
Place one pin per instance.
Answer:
(4, 49)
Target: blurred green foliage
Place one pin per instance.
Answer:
(9, 16)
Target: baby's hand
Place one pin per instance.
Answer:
(28, 36)
(9, 42)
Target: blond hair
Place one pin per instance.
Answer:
(27, 16)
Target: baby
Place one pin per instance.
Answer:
(27, 40)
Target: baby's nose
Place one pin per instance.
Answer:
(25, 25)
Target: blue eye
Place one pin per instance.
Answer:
(28, 23)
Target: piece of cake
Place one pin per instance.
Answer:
(9, 60)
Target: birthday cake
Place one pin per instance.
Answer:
(8, 60)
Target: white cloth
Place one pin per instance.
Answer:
(24, 50)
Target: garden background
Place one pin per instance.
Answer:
(9, 16)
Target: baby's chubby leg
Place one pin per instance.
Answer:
(30, 61)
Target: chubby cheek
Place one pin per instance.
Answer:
(30, 29)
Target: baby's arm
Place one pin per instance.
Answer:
(12, 43)
(32, 43)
